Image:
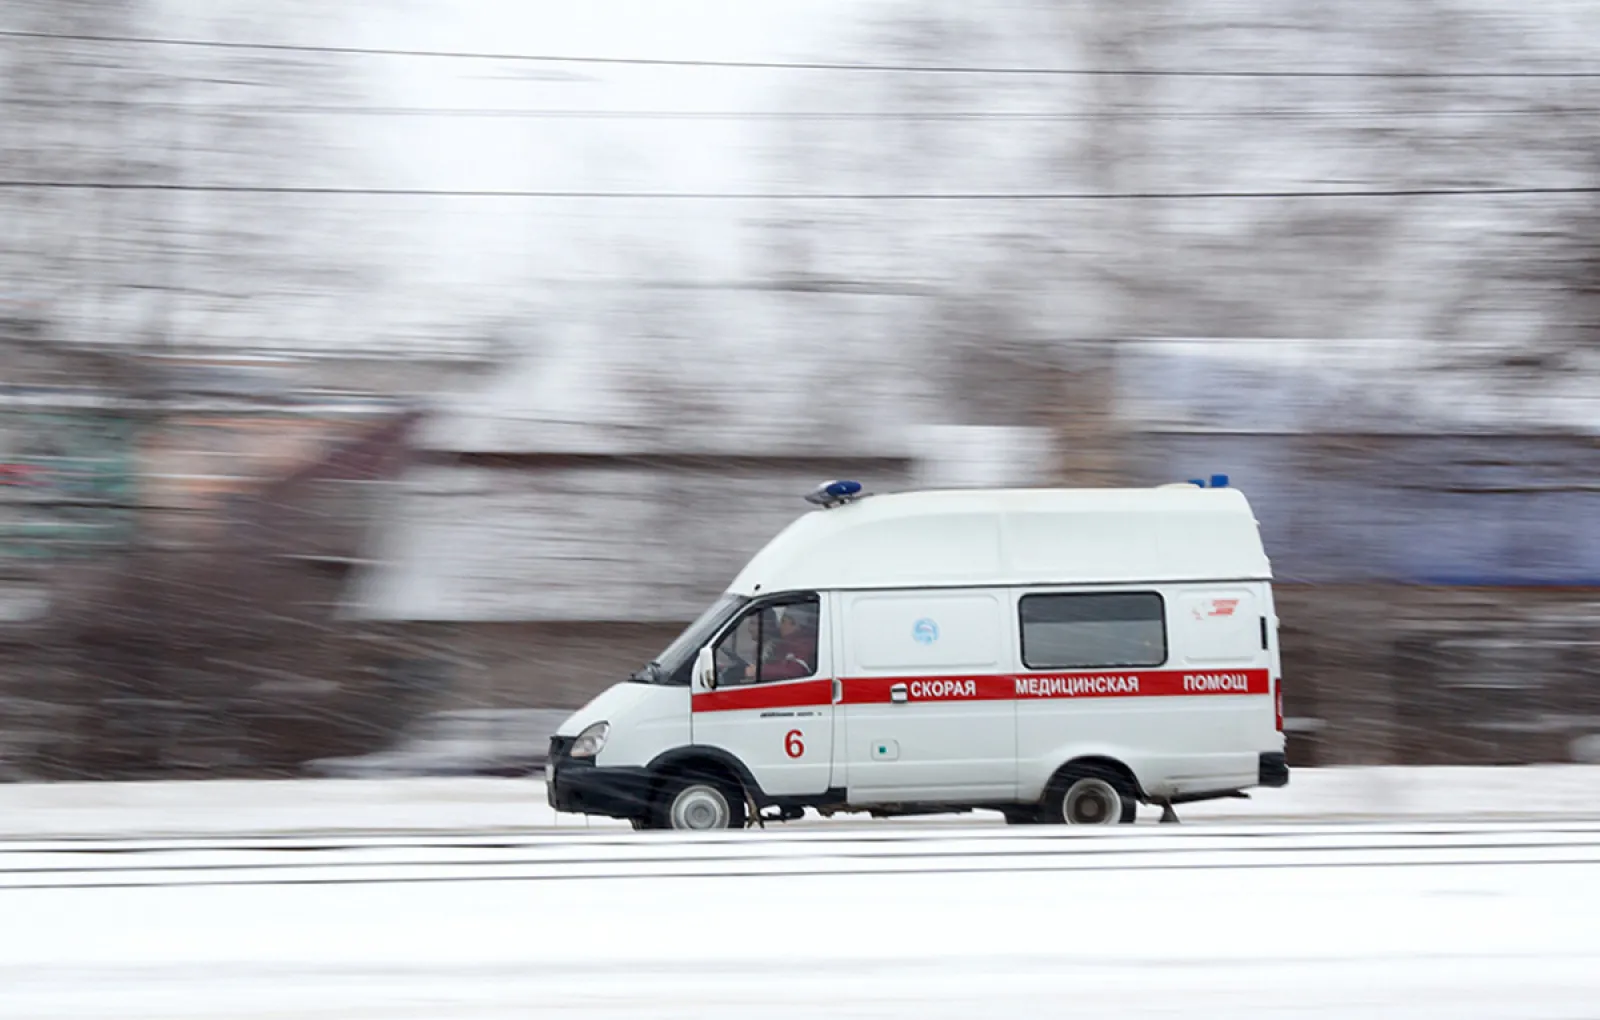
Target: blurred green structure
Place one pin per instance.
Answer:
(67, 476)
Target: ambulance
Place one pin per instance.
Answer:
(1055, 655)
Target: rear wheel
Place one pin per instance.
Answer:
(1090, 795)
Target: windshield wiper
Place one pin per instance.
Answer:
(649, 673)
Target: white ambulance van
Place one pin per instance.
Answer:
(1056, 655)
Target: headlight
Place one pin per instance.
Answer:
(590, 741)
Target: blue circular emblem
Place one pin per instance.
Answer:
(925, 631)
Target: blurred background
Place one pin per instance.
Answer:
(380, 381)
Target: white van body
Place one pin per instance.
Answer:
(1054, 654)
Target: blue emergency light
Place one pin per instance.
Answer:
(1217, 482)
(834, 493)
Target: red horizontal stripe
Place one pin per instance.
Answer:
(875, 690)
(1161, 683)
(793, 694)
(1139, 683)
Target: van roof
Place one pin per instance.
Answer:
(1014, 537)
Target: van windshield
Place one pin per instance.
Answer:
(673, 665)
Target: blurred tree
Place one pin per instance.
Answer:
(58, 101)
(117, 158)
(1496, 285)
(122, 239)
(985, 293)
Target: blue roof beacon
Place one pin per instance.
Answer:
(834, 493)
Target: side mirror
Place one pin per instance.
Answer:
(705, 669)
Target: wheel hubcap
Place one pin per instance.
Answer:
(1092, 802)
(700, 807)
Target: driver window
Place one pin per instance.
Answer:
(777, 641)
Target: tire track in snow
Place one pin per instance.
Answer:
(736, 855)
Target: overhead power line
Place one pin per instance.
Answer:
(797, 196)
(777, 65)
(964, 116)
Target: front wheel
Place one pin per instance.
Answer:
(1090, 795)
(701, 806)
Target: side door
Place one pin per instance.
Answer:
(772, 705)
(928, 702)
(1223, 644)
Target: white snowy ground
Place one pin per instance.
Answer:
(1282, 909)
(485, 805)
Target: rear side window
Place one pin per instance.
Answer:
(1093, 630)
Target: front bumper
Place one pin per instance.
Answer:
(578, 786)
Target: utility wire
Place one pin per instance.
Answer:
(798, 196)
(775, 65)
(535, 113)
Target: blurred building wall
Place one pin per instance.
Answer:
(1437, 558)
(172, 552)
(559, 573)
(1396, 534)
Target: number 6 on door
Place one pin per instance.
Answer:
(793, 746)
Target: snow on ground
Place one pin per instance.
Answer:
(154, 809)
(1222, 919)
(1355, 935)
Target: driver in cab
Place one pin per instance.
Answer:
(791, 655)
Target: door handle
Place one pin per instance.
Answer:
(897, 694)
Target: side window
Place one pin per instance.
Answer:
(1093, 630)
(775, 641)
(1219, 626)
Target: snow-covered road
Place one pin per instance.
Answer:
(1457, 921)
(813, 852)
(230, 808)
(1371, 893)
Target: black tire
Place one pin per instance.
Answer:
(1089, 795)
(683, 801)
